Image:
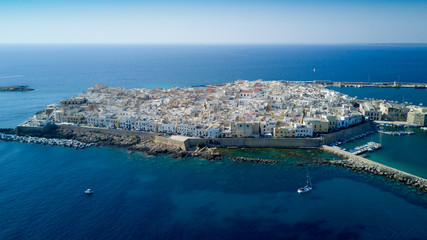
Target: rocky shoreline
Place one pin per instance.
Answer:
(254, 160)
(133, 143)
(148, 146)
(45, 141)
(15, 89)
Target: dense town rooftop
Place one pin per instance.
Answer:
(235, 109)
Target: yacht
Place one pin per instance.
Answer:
(308, 187)
(88, 191)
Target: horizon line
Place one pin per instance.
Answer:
(112, 43)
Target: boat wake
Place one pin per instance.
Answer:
(13, 76)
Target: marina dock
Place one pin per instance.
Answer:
(396, 133)
(369, 147)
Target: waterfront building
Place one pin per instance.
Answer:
(302, 130)
(213, 132)
(367, 109)
(267, 128)
(393, 111)
(284, 131)
(418, 116)
(319, 125)
(200, 132)
(332, 126)
(166, 128)
(355, 118)
(245, 129)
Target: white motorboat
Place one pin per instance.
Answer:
(88, 191)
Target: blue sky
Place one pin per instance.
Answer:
(213, 22)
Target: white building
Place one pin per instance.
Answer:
(302, 130)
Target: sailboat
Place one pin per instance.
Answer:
(308, 187)
(314, 69)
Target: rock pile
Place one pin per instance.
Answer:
(46, 141)
(254, 160)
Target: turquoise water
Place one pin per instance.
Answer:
(141, 197)
(406, 152)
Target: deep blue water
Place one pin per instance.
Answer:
(140, 197)
(401, 95)
(163, 198)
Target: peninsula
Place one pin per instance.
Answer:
(195, 121)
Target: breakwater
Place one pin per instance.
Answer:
(361, 164)
(46, 141)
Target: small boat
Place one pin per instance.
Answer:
(88, 191)
(308, 187)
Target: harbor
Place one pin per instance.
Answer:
(379, 84)
(350, 139)
(361, 164)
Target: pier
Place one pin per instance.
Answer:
(396, 124)
(361, 164)
(396, 133)
(369, 147)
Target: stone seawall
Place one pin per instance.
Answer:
(346, 133)
(358, 163)
(188, 143)
(171, 142)
(52, 129)
(257, 142)
(34, 131)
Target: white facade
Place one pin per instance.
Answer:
(166, 128)
(213, 132)
(302, 130)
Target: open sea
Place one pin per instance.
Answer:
(142, 197)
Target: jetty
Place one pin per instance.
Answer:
(45, 141)
(361, 164)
